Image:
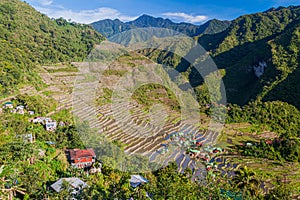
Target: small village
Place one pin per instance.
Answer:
(209, 156)
(78, 159)
(86, 159)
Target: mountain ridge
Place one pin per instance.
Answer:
(109, 27)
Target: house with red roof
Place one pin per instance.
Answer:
(81, 158)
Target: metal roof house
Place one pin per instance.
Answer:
(51, 126)
(81, 158)
(30, 112)
(8, 105)
(75, 185)
(20, 110)
(137, 180)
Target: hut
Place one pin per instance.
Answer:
(137, 180)
(8, 105)
(51, 125)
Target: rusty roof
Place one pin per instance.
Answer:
(81, 153)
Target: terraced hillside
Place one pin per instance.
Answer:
(129, 122)
(142, 131)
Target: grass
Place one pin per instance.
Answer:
(66, 75)
(176, 120)
(64, 69)
(49, 93)
(253, 128)
(105, 98)
(110, 72)
(235, 138)
(270, 170)
(150, 94)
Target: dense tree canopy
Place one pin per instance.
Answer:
(29, 38)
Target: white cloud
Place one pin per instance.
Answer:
(84, 16)
(179, 16)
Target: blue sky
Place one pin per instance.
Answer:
(192, 11)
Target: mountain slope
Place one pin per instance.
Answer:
(253, 43)
(29, 38)
(250, 28)
(286, 58)
(111, 27)
(260, 54)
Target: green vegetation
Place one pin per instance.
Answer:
(105, 97)
(64, 69)
(282, 191)
(15, 69)
(271, 37)
(247, 181)
(277, 116)
(32, 178)
(27, 170)
(257, 27)
(286, 51)
(29, 38)
(114, 72)
(281, 149)
(37, 104)
(150, 94)
(274, 173)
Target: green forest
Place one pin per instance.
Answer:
(30, 39)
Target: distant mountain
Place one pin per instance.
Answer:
(109, 27)
(29, 38)
(259, 53)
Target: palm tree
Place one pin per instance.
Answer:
(12, 191)
(245, 180)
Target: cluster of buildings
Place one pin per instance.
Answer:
(20, 109)
(76, 185)
(50, 124)
(194, 145)
(78, 158)
(184, 140)
(85, 159)
(204, 154)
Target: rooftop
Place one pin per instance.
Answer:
(79, 153)
(75, 183)
(136, 180)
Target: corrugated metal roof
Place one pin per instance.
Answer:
(136, 180)
(75, 183)
(78, 153)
